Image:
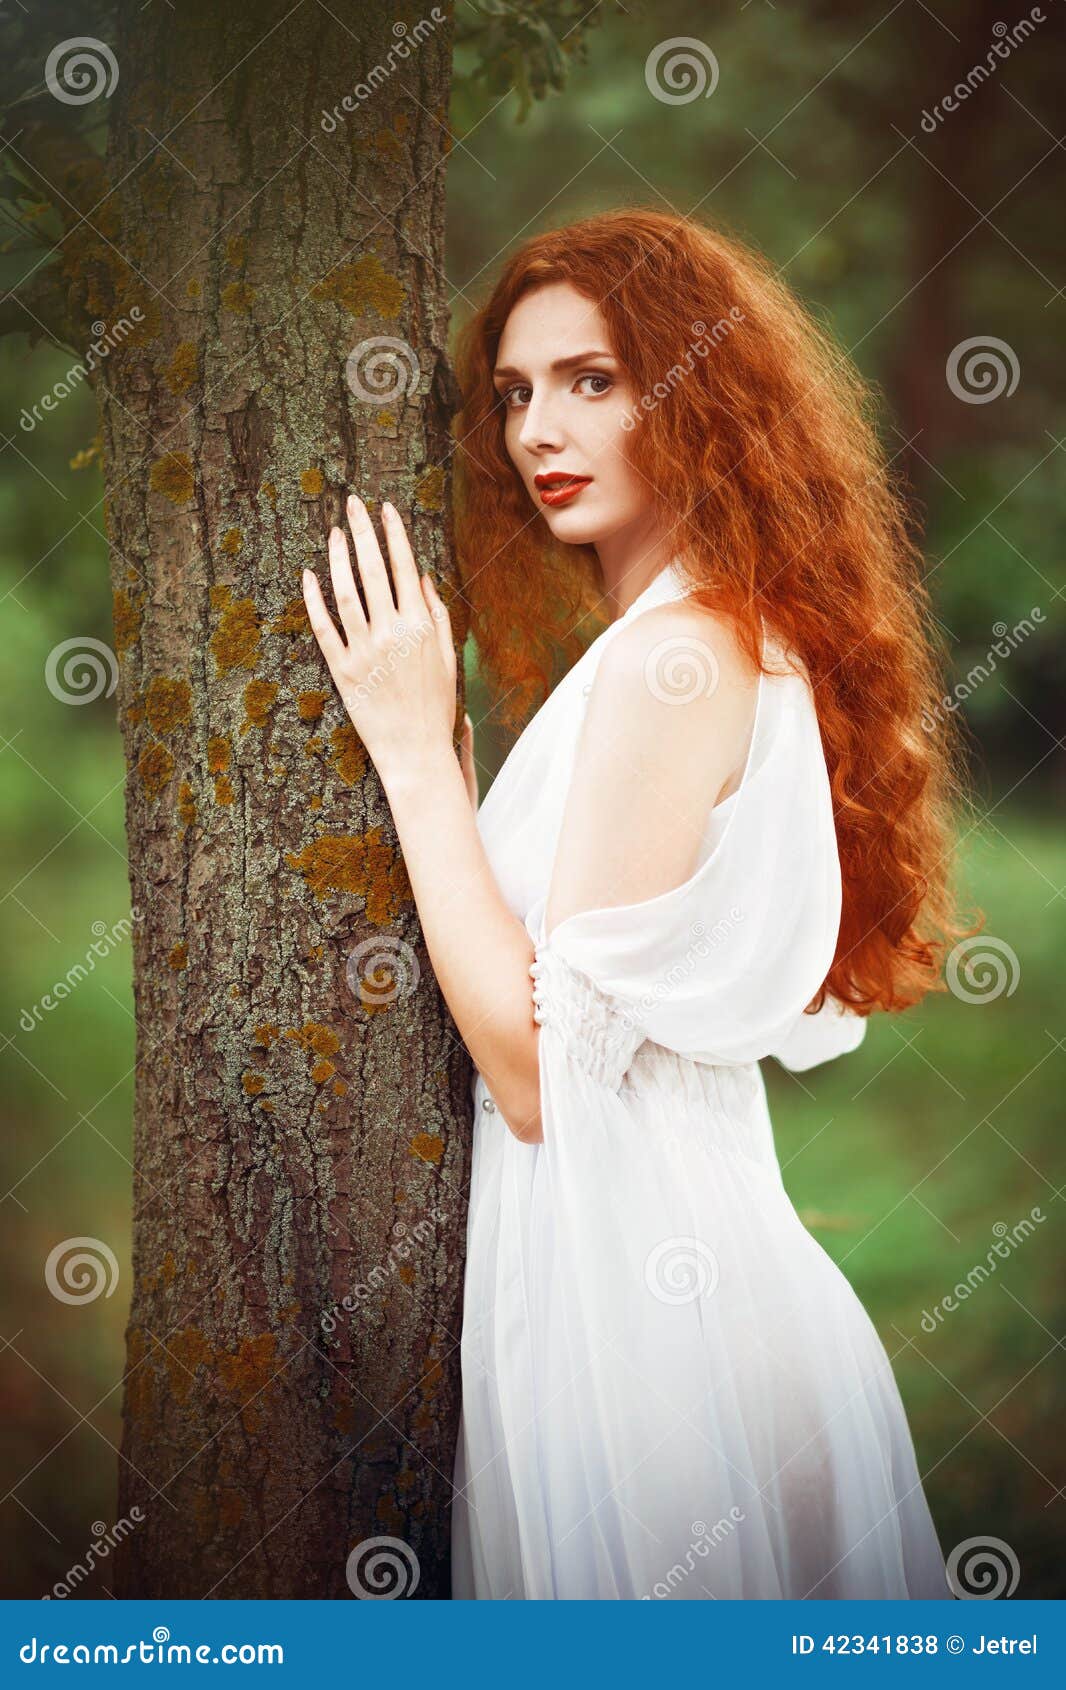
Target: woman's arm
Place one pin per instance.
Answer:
(480, 952)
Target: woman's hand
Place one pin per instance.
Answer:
(396, 674)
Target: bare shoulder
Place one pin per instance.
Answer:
(679, 653)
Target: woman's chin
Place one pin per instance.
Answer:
(573, 528)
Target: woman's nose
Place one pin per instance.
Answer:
(539, 426)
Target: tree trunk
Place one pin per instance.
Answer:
(302, 1099)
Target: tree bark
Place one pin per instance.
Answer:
(302, 1098)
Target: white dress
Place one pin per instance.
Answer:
(669, 1389)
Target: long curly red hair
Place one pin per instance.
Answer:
(782, 505)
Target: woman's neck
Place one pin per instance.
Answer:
(628, 565)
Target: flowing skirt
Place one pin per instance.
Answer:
(669, 1389)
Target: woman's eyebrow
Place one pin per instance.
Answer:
(558, 364)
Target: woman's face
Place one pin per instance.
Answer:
(565, 395)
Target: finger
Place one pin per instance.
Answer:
(409, 598)
(350, 611)
(330, 642)
(372, 570)
(442, 622)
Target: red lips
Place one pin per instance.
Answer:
(557, 488)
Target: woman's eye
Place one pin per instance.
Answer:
(510, 399)
(597, 376)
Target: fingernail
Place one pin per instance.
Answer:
(388, 508)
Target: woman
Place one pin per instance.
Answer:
(723, 837)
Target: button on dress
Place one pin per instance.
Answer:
(669, 1389)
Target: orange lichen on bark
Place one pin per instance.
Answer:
(172, 476)
(167, 704)
(218, 754)
(265, 1035)
(236, 248)
(186, 804)
(322, 1071)
(230, 542)
(235, 642)
(293, 619)
(429, 490)
(377, 988)
(247, 1374)
(349, 754)
(427, 1146)
(183, 370)
(155, 766)
(140, 1378)
(259, 699)
(316, 1037)
(361, 287)
(127, 621)
(184, 1352)
(363, 864)
(237, 296)
(223, 790)
(179, 956)
(406, 1274)
(310, 705)
(253, 1083)
(312, 482)
(269, 491)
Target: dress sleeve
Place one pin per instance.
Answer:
(721, 968)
